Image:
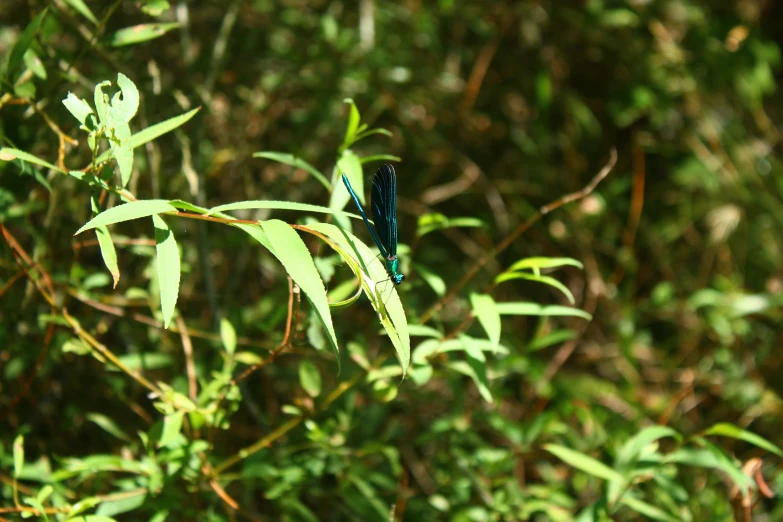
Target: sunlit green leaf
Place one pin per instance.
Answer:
(583, 462)
(228, 336)
(128, 212)
(168, 264)
(310, 378)
(485, 309)
(141, 33)
(290, 250)
(296, 162)
(152, 132)
(528, 308)
(729, 430)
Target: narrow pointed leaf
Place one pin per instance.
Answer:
(583, 462)
(485, 309)
(108, 253)
(296, 162)
(22, 44)
(291, 251)
(729, 430)
(389, 307)
(526, 308)
(530, 263)
(9, 154)
(78, 107)
(155, 131)
(280, 205)
(82, 9)
(141, 33)
(168, 268)
(547, 280)
(128, 212)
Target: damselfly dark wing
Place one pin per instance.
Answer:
(384, 207)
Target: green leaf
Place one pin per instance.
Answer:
(22, 44)
(634, 446)
(101, 103)
(485, 309)
(123, 504)
(537, 263)
(362, 135)
(108, 253)
(123, 108)
(168, 268)
(310, 378)
(9, 154)
(527, 308)
(141, 33)
(82, 9)
(78, 107)
(128, 212)
(248, 358)
(155, 8)
(544, 341)
(436, 221)
(18, 455)
(729, 430)
(146, 361)
(547, 280)
(648, 510)
(583, 462)
(280, 205)
(388, 306)
(123, 154)
(188, 207)
(228, 336)
(348, 164)
(150, 133)
(34, 63)
(296, 162)
(80, 507)
(172, 425)
(420, 330)
(108, 425)
(476, 370)
(379, 157)
(290, 250)
(712, 457)
(353, 125)
(435, 282)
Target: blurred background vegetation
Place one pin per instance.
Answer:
(665, 406)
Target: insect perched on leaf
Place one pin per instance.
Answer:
(383, 205)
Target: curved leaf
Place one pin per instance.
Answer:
(128, 212)
(527, 308)
(168, 268)
(547, 280)
(379, 290)
(290, 250)
(296, 162)
(150, 133)
(486, 311)
(537, 263)
(279, 205)
(583, 462)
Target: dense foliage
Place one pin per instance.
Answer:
(194, 327)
